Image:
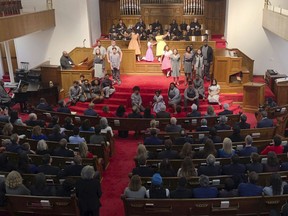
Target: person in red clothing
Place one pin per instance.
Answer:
(274, 147)
(83, 151)
(106, 113)
(179, 113)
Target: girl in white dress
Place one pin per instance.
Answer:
(158, 101)
(214, 90)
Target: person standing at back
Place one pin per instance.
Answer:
(207, 53)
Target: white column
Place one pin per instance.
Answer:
(9, 62)
(1, 66)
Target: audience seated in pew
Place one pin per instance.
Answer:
(195, 112)
(135, 113)
(186, 151)
(54, 121)
(7, 129)
(97, 137)
(184, 138)
(210, 111)
(14, 185)
(209, 148)
(75, 138)
(229, 189)
(272, 164)
(181, 191)
(67, 187)
(86, 126)
(153, 139)
(248, 149)
(25, 165)
(226, 110)
(143, 170)
(187, 168)
(83, 151)
(242, 123)
(42, 148)
(255, 165)
(226, 151)
(121, 113)
(213, 136)
(37, 133)
(251, 188)
(68, 125)
(157, 191)
(43, 105)
(74, 169)
(265, 121)
(147, 113)
(62, 150)
(47, 168)
(106, 112)
(210, 169)
(276, 186)
(32, 121)
(163, 113)
(168, 152)
(14, 145)
(90, 111)
(152, 126)
(275, 146)
(15, 119)
(135, 188)
(105, 128)
(222, 124)
(62, 107)
(166, 169)
(205, 191)
(236, 169)
(173, 127)
(5, 164)
(56, 134)
(203, 126)
(236, 135)
(40, 187)
(4, 115)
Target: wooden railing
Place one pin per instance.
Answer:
(161, 1)
(11, 7)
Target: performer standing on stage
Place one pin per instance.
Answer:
(175, 63)
(99, 71)
(149, 57)
(103, 53)
(160, 44)
(199, 63)
(114, 60)
(188, 64)
(165, 61)
(207, 53)
(135, 43)
(158, 101)
(109, 51)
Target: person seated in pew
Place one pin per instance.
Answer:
(251, 188)
(62, 107)
(236, 169)
(210, 111)
(7, 129)
(54, 121)
(43, 105)
(181, 192)
(15, 119)
(74, 169)
(209, 148)
(32, 121)
(75, 138)
(236, 135)
(229, 189)
(90, 111)
(135, 189)
(27, 148)
(14, 145)
(65, 61)
(83, 151)
(105, 128)
(135, 113)
(157, 191)
(226, 151)
(47, 168)
(173, 127)
(143, 170)
(162, 113)
(194, 112)
(222, 124)
(276, 185)
(5, 164)
(153, 124)
(242, 123)
(106, 112)
(67, 188)
(272, 164)
(37, 133)
(68, 123)
(226, 110)
(62, 150)
(25, 166)
(248, 148)
(97, 138)
(275, 146)
(40, 187)
(166, 169)
(4, 115)
(203, 126)
(179, 112)
(142, 151)
(168, 152)
(186, 151)
(210, 169)
(56, 134)
(187, 168)
(153, 139)
(255, 164)
(86, 126)
(213, 136)
(265, 121)
(205, 191)
(14, 184)
(42, 148)
(147, 113)
(184, 138)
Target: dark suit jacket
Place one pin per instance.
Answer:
(62, 152)
(256, 167)
(34, 123)
(56, 137)
(194, 113)
(222, 127)
(170, 154)
(265, 122)
(236, 138)
(44, 106)
(209, 170)
(90, 112)
(173, 128)
(153, 140)
(200, 128)
(225, 112)
(233, 169)
(163, 114)
(183, 140)
(243, 125)
(181, 193)
(247, 151)
(48, 169)
(143, 171)
(71, 170)
(135, 115)
(205, 192)
(209, 54)
(64, 110)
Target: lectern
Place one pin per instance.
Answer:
(253, 96)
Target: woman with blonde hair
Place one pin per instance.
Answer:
(7, 129)
(152, 126)
(186, 151)
(14, 185)
(83, 151)
(37, 133)
(135, 188)
(227, 151)
(187, 168)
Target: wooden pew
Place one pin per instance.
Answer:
(237, 206)
(37, 205)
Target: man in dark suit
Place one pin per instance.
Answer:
(43, 105)
(181, 191)
(248, 149)
(74, 169)
(153, 139)
(184, 138)
(203, 126)
(90, 111)
(62, 150)
(135, 113)
(207, 53)
(235, 168)
(46, 168)
(62, 107)
(211, 169)
(32, 121)
(250, 188)
(65, 61)
(168, 152)
(14, 145)
(255, 164)
(222, 124)
(243, 124)
(173, 127)
(163, 113)
(265, 121)
(194, 112)
(226, 110)
(56, 134)
(143, 170)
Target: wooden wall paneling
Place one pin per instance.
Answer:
(13, 56)
(109, 14)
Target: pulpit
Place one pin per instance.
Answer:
(281, 92)
(253, 96)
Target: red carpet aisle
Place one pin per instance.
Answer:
(115, 178)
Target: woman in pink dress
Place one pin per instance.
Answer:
(149, 53)
(166, 62)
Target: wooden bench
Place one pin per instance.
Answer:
(40, 205)
(259, 205)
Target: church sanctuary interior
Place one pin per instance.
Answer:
(143, 107)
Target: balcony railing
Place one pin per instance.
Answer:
(161, 1)
(10, 7)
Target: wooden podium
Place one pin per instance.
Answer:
(281, 92)
(253, 96)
